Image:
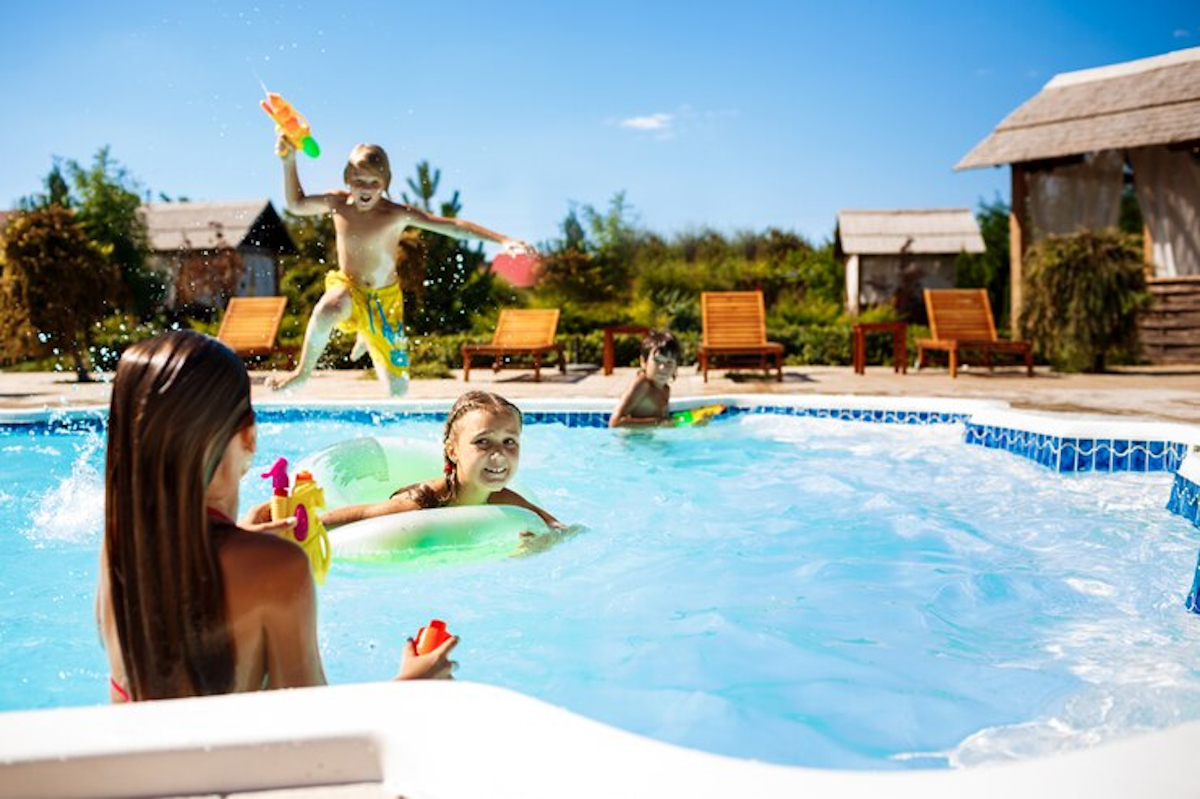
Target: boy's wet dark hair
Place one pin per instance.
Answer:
(661, 341)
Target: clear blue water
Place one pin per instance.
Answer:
(800, 591)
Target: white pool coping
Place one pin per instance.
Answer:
(461, 739)
(458, 740)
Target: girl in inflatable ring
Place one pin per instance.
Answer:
(481, 448)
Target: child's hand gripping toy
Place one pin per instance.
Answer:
(431, 637)
(302, 502)
(293, 126)
(699, 415)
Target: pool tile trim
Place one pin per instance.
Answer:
(1059, 442)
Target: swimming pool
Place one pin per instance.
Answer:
(806, 591)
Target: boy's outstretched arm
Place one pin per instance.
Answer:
(294, 198)
(460, 229)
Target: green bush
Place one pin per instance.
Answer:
(1082, 293)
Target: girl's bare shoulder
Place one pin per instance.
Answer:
(261, 559)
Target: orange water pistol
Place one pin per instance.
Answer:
(291, 124)
(432, 636)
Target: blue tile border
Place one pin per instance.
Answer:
(860, 414)
(97, 420)
(1185, 502)
(1071, 454)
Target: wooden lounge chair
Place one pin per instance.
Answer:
(519, 332)
(735, 329)
(251, 324)
(960, 321)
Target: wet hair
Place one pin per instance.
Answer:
(661, 341)
(177, 401)
(470, 401)
(369, 158)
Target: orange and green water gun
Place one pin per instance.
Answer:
(291, 124)
(696, 415)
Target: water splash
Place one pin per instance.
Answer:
(72, 512)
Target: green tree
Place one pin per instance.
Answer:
(990, 269)
(593, 262)
(1130, 220)
(107, 198)
(303, 280)
(1082, 293)
(57, 192)
(55, 285)
(444, 279)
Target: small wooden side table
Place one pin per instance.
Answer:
(609, 354)
(899, 331)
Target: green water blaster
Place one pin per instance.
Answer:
(693, 416)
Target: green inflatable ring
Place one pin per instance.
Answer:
(366, 470)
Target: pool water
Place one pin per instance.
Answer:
(800, 591)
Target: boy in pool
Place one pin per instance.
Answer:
(647, 400)
(362, 295)
(481, 446)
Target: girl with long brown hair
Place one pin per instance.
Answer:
(189, 602)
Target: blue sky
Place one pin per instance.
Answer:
(726, 115)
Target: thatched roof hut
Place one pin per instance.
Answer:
(1152, 101)
(902, 250)
(1073, 145)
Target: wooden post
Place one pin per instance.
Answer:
(1147, 250)
(1018, 240)
(853, 280)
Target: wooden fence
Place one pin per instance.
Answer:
(1170, 327)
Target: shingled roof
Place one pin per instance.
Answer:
(208, 225)
(917, 231)
(1150, 101)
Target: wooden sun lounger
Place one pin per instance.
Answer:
(960, 321)
(519, 332)
(735, 329)
(251, 324)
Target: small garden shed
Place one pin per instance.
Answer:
(1073, 146)
(901, 252)
(211, 251)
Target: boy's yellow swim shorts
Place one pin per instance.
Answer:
(378, 316)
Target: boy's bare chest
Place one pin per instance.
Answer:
(365, 229)
(653, 401)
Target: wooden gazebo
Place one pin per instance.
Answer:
(1071, 148)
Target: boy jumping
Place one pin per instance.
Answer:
(362, 296)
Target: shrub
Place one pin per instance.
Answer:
(1081, 297)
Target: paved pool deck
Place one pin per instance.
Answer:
(1149, 392)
